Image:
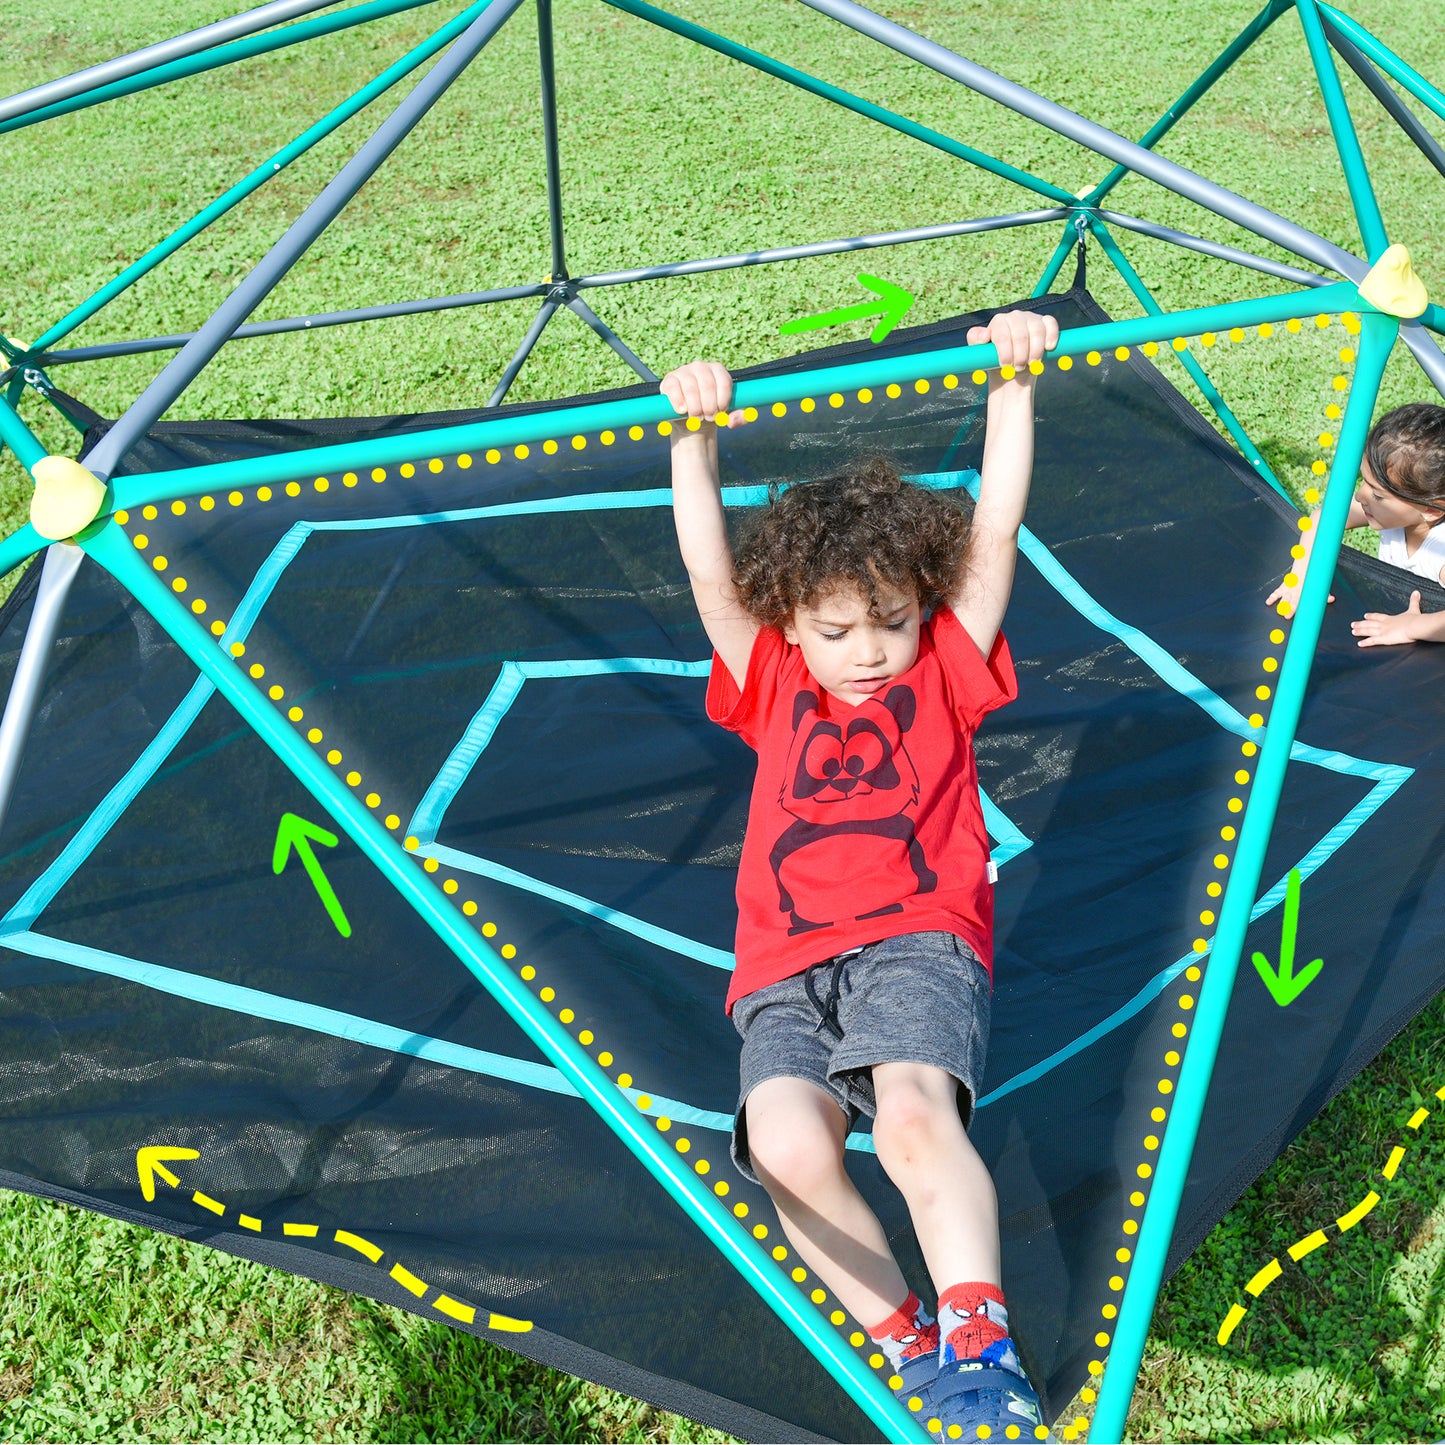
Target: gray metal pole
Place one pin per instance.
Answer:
(1376, 84)
(1096, 137)
(822, 248)
(122, 66)
(1216, 249)
(62, 559)
(577, 304)
(549, 307)
(1424, 349)
(182, 369)
(549, 138)
(104, 350)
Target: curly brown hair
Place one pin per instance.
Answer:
(863, 528)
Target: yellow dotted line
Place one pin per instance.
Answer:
(1221, 861)
(1314, 1240)
(521, 451)
(1320, 466)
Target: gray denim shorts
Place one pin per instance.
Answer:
(920, 998)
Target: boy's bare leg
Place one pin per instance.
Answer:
(926, 1151)
(796, 1134)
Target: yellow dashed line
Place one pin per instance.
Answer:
(1314, 1241)
(1350, 1220)
(360, 1245)
(1264, 1278)
(1231, 1320)
(443, 1303)
(448, 1306)
(407, 1280)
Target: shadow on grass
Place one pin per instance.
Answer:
(450, 1386)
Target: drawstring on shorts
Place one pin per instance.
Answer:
(828, 1009)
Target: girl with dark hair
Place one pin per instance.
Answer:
(1401, 494)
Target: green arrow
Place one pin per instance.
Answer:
(293, 832)
(1286, 985)
(893, 301)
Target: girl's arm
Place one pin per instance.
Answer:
(981, 594)
(703, 389)
(1285, 593)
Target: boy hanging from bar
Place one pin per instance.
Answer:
(857, 649)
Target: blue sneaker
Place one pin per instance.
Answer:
(988, 1398)
(913, 1383)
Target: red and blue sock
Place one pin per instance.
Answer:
(909, 1333)
(973, 1325)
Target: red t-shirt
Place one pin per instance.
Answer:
(830, 864)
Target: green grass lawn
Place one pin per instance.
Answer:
(109, 1332)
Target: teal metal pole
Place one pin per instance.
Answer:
(1190, 364)
(214, 59)
(1398, 71)
(1185, 103)
(110, 547)
(513, 430)
(807, 82)
(1147, 1271)
(18, 437)
(20, 546)
(1056, 262)
(1347, 142)
(258, 177)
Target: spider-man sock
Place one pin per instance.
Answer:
(973, 1325)
(908, 1333)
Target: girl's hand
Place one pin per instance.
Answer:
(1282, 593)
(1383, 629)
(701, 389)
(1020, 337)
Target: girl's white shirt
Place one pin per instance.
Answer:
(1429, 558)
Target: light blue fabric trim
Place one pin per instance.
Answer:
(239, 999)
(37, 898)
(336, 1024)
(427, 820)
(351, 1027)
(579, 502)
(1009, 839)
(638, 927)
(1312, 860)
(1160, 662)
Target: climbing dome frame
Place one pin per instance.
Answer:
(79, 507)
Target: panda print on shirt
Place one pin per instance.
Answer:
(852, 792)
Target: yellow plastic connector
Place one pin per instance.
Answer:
(67, 498)
(1393, 287)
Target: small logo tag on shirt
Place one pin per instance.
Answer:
(992, 871)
